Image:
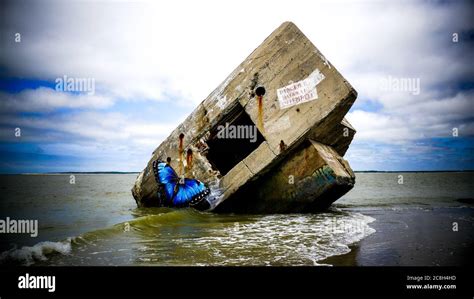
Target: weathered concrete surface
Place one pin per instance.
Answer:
(328, 178)
(340, 137)
(285, 57)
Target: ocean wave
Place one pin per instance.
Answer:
(206, 239)
(42, 251)
(283, 239)
(28, 255)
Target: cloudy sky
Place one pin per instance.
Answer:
(153, 61)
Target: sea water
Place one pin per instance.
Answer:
(95, 221)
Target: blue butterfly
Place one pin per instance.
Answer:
(179, 192)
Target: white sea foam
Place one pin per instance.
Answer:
(28, 255)
(215, 197)
(287, 239)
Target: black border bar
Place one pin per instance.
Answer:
(236, 281)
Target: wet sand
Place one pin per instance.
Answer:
(414, 236)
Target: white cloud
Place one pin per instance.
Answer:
(182, 50)
(380, 128)
(416, 119)
(45, 99)
(148, 49)
(102, 127)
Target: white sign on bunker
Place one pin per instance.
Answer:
(301, 91)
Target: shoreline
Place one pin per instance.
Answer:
(413, 236)
(344, 260)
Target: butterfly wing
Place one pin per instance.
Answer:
(166, 176)
(188, 191)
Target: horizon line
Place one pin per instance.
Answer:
(137, 172)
